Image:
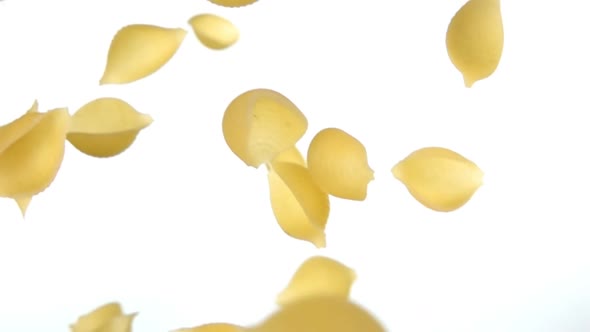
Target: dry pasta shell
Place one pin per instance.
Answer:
(122, 323)
(338, 164)
(139, 50)
(318, 276)
(106, 127)
(320, 314)
(291, 155)
(213, 327)
(261, 123)
(233, 3)
(439, 178)
(215, 32)
(97, 318)
(299, 206)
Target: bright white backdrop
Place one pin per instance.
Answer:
(180, 230)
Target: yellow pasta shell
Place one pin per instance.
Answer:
(291, 155)
(475, 39)
(338, 164)
(213, 327)
(300, 207)
(261, 123)
(215, 32)
(318, 276)
(139, 50)
(320, 314)
(97, 318)
(105, 127)
(233, 3)
(439, 178)
(23, 203)
(121, 323)
(31, 152)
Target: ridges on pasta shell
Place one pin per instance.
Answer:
(215, 32)
(106, 127)
(233, 3)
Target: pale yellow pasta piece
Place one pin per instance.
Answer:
(139, 50)
(320, 314)
(338, 164)
(122, 323)
(300, 207)
(439, 178)
(215, 32)
(318, 276)
(106, 127)
(23, 203)
(475, 39)
(213, 327)
(31, 152)
(261, 123)
(291, 155)
(97, 318)
(233, 3)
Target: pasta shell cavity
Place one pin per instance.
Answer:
(106, 127)
(259, 124)
(299, 206)
(475, 39)
(233, 3)
(439, 178)
(138, 51)
(338, 164)
(213, 31)
(318, 276)
(213, 327)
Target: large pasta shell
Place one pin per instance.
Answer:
(215, 32)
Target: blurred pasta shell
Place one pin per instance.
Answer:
(105, 127)
(299, 206)
(215, 32)
(233, 3)
(122, 323)
(97, 318)
(139, 50)
(213, 327)
(439, 178)
(318, 276)
(32, 138)
(261, 123)
(320, 314)
(338, 164)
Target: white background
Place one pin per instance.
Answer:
(179, 229)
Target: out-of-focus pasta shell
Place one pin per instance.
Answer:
(106, 127)
(139, 50)
(338, 164)
(215, 32)
(97, 318)
(320, 314)
(300, 207)
(31, 152)
(233, 3)
(122, 323)
(439, 178)
(261, 123)
(318, 276)
(213, 327)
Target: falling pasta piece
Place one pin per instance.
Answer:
(233, 3)
(259, 124)
(318, 276)
(320, 314)
(23, 203)
(31, 152)
(213, 327)
(300, 207)
(439, 178)
(213, 31)
(475, 39)
(97, 318)
(139, 50)
(106, 127)
(121, 323)
(338, 164)
(291, 155)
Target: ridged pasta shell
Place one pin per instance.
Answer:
(261, 123)
(213, 327)
(233, 3)
(106, 127)
(97, 318)
(215, 32)
(139, 50)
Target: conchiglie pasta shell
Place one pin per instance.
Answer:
(300, 207)
(213, 31)
(30, 160)
(318, 276)
(259, 124)
(439, 178)
(320, 314)
(233, 3)
(123, 323)
(97, 318)
(291, 155)
(139, 50)
(106, 127)
(213, 327)
(338, 164)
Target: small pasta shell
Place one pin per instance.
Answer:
(139, 50)
(320, 314)
(213, 327)
(261, 123)
(106, 127)
(24, 143)
(318, 276)
(233, 3)
(291, 155)
(215, 32)
(338, 164)
(97, 318)
(438, 178)
(299, 206)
